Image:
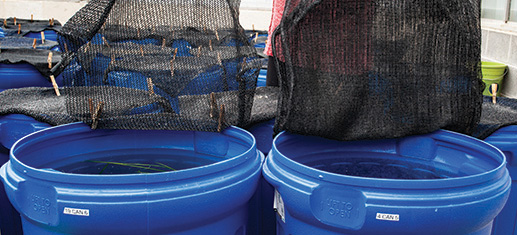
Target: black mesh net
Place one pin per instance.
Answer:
(42, 60)
(158, 64)
(21, 27)
(365, 69)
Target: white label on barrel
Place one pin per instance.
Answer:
(278, 205)
(388, 217)
(74, 211)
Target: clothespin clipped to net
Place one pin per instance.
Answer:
(150, 86)
(219, 61)
(34, 43)
(493, 87)
(199, 51)
(141, 51)
(66, 48)
(105, 42)
(32, 18)
(221, 118)
(52, 22)
(256, 37)
(54, 84)
(213, 105)
(253, 27)
(95, 113)
(49, 60)
(163, 43)
(14, 20)
(42, 37)
(210, 45)
(216, 35)
(172, 68)
(19, 28)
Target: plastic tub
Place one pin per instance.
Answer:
(23, 75)
(12, 128)
(439, 183)
(217, 173)
(505, 139)
(493, 73)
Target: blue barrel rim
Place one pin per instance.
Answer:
(71, 128)
(320, 175)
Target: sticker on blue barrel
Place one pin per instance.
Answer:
(278, 205)
(75, 211)
(387, 217)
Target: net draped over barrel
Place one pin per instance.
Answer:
(158, 64)
(370, 69)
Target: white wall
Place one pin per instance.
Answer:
(499, 44)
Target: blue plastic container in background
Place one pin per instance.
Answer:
(505, 139)
(23, 75)
(49, 35)
(439, 183)
(217, 173)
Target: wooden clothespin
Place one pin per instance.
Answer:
(174, 54)
(54, 84)
(138, 33)
(221, 118)
(219, 58)
(199, 51)
(19, 28)
(5, 22)
(34, 43)
(42, 37)
(49, 60)
(105, 42)
(66, 48)
(493, 87)
(216, 35)
(32, 18)
(210, 45)
(213, 105)
(141, 50)
(163, 43)
(52, 22)
(96, 113)
(14, 19)
(253, 27)
(150, 86)
(256, 38)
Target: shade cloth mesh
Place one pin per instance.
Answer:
(190, 59)
(368, 69)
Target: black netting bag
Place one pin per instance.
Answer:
(366, 69)
(190, 60)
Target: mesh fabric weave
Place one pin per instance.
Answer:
(191, 57)
(368, 69)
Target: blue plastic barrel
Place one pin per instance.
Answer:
(438, 183)
(505, 139)
(262, 77)
(49, 35)
(51, 182)
(23, 75)
(12, 128)
(262, 202)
